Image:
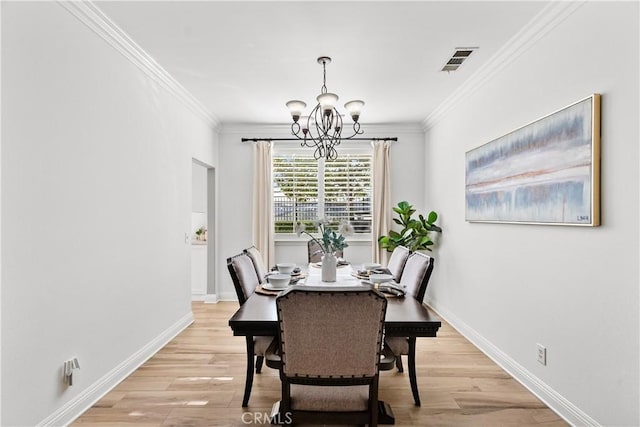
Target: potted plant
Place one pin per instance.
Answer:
(201, 233)
(416, 234)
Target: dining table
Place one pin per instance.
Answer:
(405, 317)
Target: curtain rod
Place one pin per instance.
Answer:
(300, 140)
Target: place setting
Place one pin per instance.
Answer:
(371, 268)
(380, 278)
(280, 278)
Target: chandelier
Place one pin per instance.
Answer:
(322, 128)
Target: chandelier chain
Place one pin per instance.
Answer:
(323, 89)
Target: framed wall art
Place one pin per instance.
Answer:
(546, 172)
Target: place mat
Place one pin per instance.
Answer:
(260, 290)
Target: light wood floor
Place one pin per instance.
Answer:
(198, 380)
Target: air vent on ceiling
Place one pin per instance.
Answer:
(459, 56)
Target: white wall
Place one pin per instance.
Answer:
(235, 190)
(96, 175)
(572, 289)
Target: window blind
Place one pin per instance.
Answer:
(305, 189)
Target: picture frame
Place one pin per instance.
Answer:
(546, 172)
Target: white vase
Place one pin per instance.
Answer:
(329, 267)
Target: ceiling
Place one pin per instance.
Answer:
(244, 60)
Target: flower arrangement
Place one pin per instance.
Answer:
(330, 241)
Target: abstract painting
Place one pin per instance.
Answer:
(547, 172)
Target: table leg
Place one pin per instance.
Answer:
(249, 379)
(412, 370)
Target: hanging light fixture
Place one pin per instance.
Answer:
(322, 128)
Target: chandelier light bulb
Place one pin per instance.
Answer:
(327, 101)
(304, 122)
(354, 108)
(296, 108)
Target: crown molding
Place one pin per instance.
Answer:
(546, 20)
(89, 14)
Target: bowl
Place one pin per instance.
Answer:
(380, 278)
(279, 281)
(371, 265)
(285, 267)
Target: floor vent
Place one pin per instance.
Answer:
(459, 56)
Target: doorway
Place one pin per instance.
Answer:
(203, 232)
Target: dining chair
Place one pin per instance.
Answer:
(397, 261)
(314, 252)
(243, 274)
(415, 278)
(258, 263)
(330, 344)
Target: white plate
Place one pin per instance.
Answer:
(380, 278)
(371, 265)
(270, 287)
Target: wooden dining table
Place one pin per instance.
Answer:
(405, 317)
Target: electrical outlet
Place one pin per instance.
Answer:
(68, 367)
(542, 354)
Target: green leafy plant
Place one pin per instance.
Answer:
(415, 234)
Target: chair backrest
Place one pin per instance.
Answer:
(331, 334)
(314, 251)
(416, 274)
(243, 275)
(258, 263)
(397, 261)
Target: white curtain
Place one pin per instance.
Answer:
(262, 197)
(381, 195)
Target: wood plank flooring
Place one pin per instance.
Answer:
(198, 380)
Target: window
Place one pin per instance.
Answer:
(305, 189)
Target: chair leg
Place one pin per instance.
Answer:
(249, 381)
(399, 363)
(259, 361)
(373, 403)
(412, 370)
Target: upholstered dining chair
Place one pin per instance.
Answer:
(258, 263)
(314, 251)
(397, 261)
(415, 278)
(330, 345)
(243, 274)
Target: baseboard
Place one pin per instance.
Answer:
(554, 400)
(83, 401)
(210, 299)
(198, 297)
